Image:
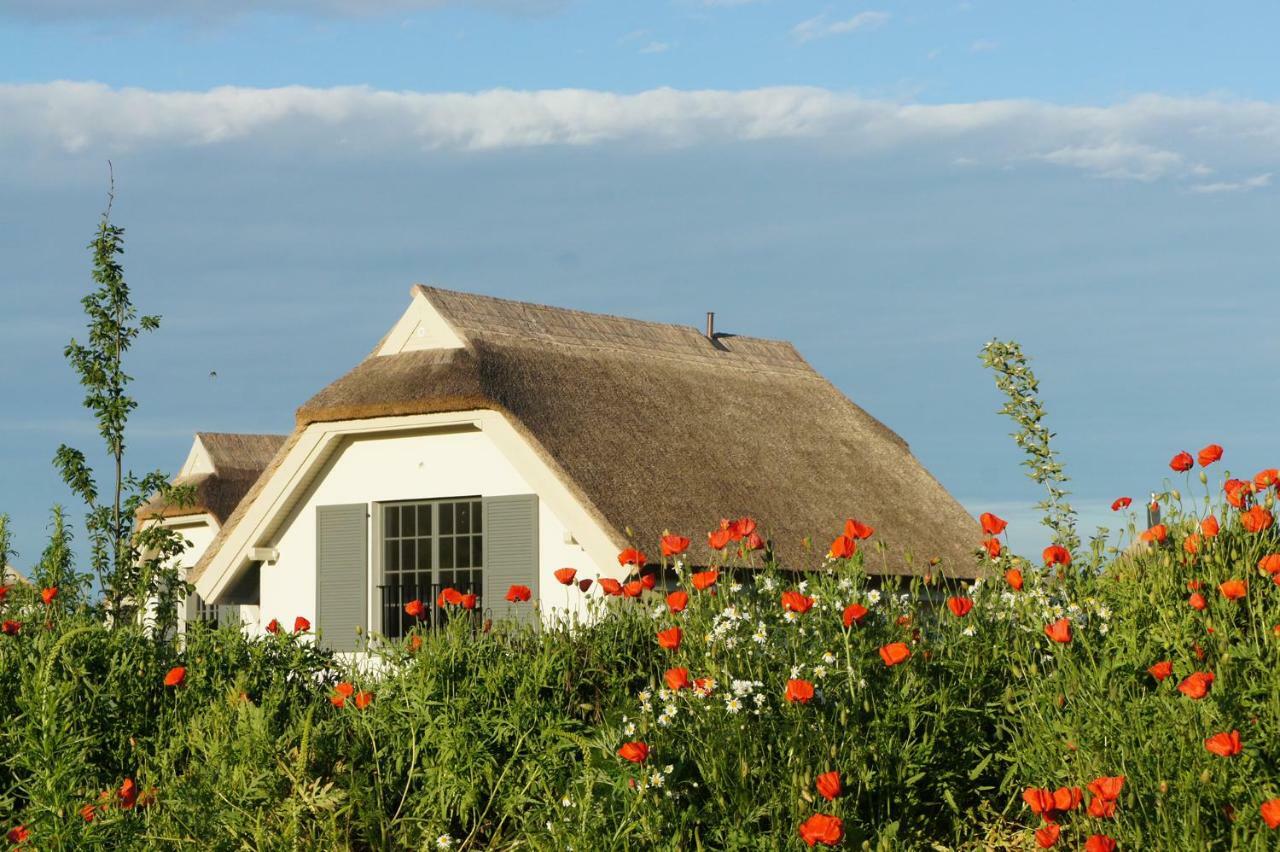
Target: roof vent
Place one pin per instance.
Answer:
(711, 325)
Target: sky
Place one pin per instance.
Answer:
(887, 185)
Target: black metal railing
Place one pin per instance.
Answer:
(396, 623)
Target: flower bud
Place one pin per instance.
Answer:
(1204, 478)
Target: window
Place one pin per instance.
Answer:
(205, 613)
(427, 546)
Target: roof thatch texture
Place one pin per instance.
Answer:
(657, 427)
(237, 460)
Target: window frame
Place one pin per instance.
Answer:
(385, 603)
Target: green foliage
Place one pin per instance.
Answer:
(1016, 380)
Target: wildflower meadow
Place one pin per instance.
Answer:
(1121, 697)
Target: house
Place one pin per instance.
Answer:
(487, 442)
(219, 470)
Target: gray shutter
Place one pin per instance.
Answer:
(342, 574)
(510, 554)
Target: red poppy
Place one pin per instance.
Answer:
(584, 584)
(677, 600)
(452, 596)
(1224, 745)
(1196, 685)
(799, 691)
(858, 530)
(1191, 544)
(633, 589)
(793, 601)
(1067, 798)
(1107, 786)
(821, 828)
(467, 601)
(674, 545)
(1197, 601)
(649, 580)
(565, 576)
(1193, 585)
(993, 548)
(1014, 578)
(415, 642)
(829, 786)
(610, 586)
(992, 524)
(1047, 836)
(1209, 526)
(1059, 631)
(754, 541)
(1121, 503)
(363, 700)
(1161, 670)
(19, 834)
(853, 614)
(273, 626)
(4, 593)
(843, 548)
(703, 686)
(176, 676)
(1256, 519)
(1237, 492)
(519, 594)
(635, 752)
(301, 625)
(11, 628)
(47, 595)
(959, 606)
(1156, 534)
(704, 580)
(341, 693)
(1099, 843)
(631, 556)
(89, 812)
(1182, 462)
(1270, 810)
(1233, 590)
(670, 638)
(1264, 479)
(1056, 554)
(719, 539)
(128, 794)
(1100, 808)
(1209, 455)
(894, 653)
(677, 679)
(1039, 800)
(1270, 563)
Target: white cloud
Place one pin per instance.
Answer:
(221, 9)
(1147, 138)
(983, 45)
(1255, 182)
(822, 27)
(656, 47)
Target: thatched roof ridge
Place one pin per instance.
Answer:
(237, 461)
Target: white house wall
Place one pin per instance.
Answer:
(372, 469)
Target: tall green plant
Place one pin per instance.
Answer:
(1019, 384)
(131, 569)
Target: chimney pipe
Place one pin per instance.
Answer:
(711, 325)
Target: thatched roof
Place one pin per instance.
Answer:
(657, 427)
(234, 463)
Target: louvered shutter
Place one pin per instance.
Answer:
(342, 575)
(510, 554)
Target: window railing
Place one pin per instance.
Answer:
(396, 623)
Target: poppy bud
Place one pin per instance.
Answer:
(1204, 777)
(1177, 495)
(1204, 479)
(1164, 787)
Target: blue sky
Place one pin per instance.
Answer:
(888, 185)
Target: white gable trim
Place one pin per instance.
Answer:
(198, 460)
(319, 441)
(421, 327)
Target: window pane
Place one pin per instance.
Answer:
(446, 553)
(464, 518)
(461, 553)
(477, 551)
(475, 517)
(407, 554)
(392, 520)
(391, 557)
(424, 555)
(446, 579)
(424, 519)
(446, 518)
(407, 525)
